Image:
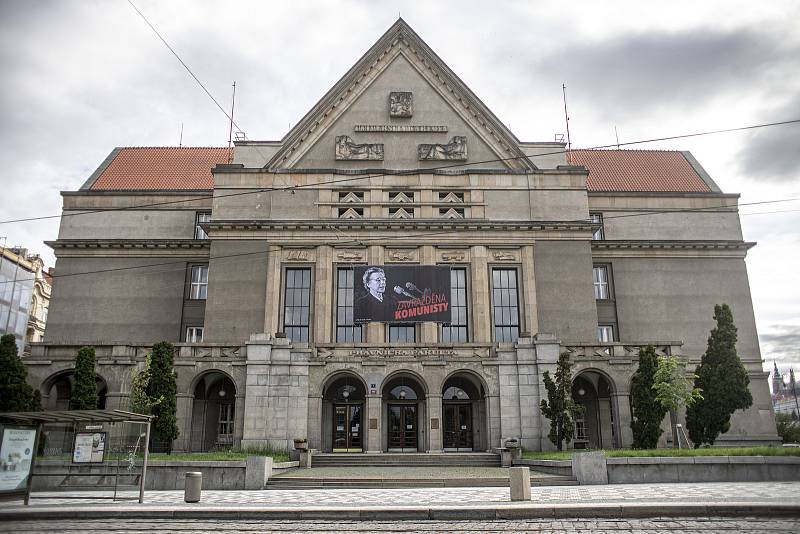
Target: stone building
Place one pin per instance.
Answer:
(244, 258)
(24, 296)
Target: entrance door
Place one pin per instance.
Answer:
(347, 431)
(403, 427)
(458, 427)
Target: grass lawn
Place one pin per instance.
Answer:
(219, 456)
(730, 451)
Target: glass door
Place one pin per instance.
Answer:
(403, 427)
(458, 427)
(347, 430)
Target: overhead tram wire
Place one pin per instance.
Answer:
(368, 176)
(356, 242)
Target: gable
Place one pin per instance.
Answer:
(357, 126)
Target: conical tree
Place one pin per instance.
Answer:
(163, 386)
(723, 380)
(647, 411)
(84, 392)
(16, 395)
(559, 407)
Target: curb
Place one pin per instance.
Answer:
(398, 513)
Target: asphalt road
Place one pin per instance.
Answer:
(755, 525)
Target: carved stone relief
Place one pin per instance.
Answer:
(454, 150)
(346, 149)
(503, 255)
(401, 104)
(350, 255)
(298, 255)
(402, 255)
(455, 256)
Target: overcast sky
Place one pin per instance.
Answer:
(82, 77)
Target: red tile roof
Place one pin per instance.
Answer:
(639, 170)
(161, 168)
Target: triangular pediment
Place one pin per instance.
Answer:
(452, 214)
(399, 108)
(401, 213)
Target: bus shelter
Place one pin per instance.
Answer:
(73, 450)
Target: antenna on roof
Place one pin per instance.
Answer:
(233, 104)
(616, 134)
(180, 141)
(566, 117)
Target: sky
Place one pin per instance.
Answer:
(83, 77)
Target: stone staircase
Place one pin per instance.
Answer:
(459, 459)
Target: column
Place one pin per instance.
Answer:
(238, 417)
(529, 289)
(434, 422)
(374, 423)
(273, 294)
(621, 404)
(429, 332)
(183, 415)
(375, 331)
(479, 278)
(323, 296)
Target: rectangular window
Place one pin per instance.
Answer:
(297, 304)
(346, 330)
(194, 334)
(605, 334)
(201, 217)
(402, 333)
(598, 234)
(505, 305)
(198, 290)
(600, 279)
(458, 330)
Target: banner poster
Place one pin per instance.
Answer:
(401, 293)
(90, 447)
(16, 457)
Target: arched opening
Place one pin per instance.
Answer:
(343, 409)
(595, 428)
(57, 391)
(463, 413)
(404, 397)
(213, 412)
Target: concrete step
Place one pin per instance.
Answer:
(405, 459)
(285, 483)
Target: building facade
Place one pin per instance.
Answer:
(244, 257)
(24, 296)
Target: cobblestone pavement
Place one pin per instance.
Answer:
(593, 526)
(750, 492)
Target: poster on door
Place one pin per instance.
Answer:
(16, 457)
(89, 448)
(401, 294)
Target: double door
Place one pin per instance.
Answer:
(348, 431)
(458, 427)
(403, 427)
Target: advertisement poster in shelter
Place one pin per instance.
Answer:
(16, 457)
(401, 293)
(90, 447)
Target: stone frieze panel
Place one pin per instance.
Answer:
(454, 150)
(347, 150)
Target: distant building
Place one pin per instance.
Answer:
(24, 296)
(783, 396)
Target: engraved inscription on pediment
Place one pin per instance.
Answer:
(454, 150)
(346, 150)
(401, 104)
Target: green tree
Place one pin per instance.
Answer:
(647, 412)
(140, 380)
(674, 390)
(84, 392)
(560, 407)
(162, 385)
(723, 380)
(16, 395)
(788, 428)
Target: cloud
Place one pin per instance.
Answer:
(780, 343)
(773, 154)
(636, 74)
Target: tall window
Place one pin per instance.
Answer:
(598, 234)
(296, 304)
(346, 330)
(198, 290)
(605, 333)
(600, 278)
(505, 305)
(225, 424)
(458, 330)
(402, 333)
(201, 217)
(194, 334)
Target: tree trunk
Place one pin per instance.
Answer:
(673, 423)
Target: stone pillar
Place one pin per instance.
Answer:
(238, 417)
(547, 351)
(256, 410)
(323, 314)
(509, 395)
(183, 415)
(315, 440)
(479, 278)
(374, 423)
(621, 404)
(273, 294)
(527, 380)
(429, 332)
(529, 290)
(375, 331)
(434, 422)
